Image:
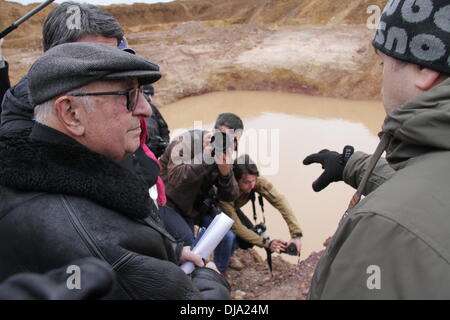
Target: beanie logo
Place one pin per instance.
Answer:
(427, 47)
(415, 11)
(410, 31)
(391, 7)
(442, 18)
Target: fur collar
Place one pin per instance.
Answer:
(37, 166)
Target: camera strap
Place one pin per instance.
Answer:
(255, 217)
(269, 259)
(261, 204)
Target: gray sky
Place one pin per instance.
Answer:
(96, 2)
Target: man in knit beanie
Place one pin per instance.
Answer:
(395, 243)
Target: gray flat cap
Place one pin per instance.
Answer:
(73, 65)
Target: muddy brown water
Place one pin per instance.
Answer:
(281, 129)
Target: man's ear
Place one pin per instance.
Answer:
(70, 115)
(427, 78)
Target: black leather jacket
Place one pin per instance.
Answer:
(4, 80)
(61, 202)
(17, 112)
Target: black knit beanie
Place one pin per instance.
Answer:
(416, 31)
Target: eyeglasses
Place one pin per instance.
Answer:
(131, 94)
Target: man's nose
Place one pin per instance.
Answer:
(143, 108)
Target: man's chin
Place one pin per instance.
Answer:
(134, 145)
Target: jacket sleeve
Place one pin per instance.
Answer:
(211, 284)
(373, 257)
(279, 202)
(238, 227)
(227, 188)
(4, 80)
(155, 279)
(356, 166)
(180, 173)
(96, 279)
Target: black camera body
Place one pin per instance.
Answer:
(221, 142)
(206, 203)
(260, 229)
(158, 145)
(291, 250)
(209, 207)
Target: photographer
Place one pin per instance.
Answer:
(197, 171)
(186, 173)
(4, 76)
(248, 235)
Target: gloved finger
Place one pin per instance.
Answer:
(315, 158)
(322, 182)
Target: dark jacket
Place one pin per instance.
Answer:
(17, 111)
(4, 80)
(61, 202)
(186, 176)
(158, 136)
(96, 279)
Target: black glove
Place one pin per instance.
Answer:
(332, 162)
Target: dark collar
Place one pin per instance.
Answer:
(43, 133)
(138, 163)
(41, 165)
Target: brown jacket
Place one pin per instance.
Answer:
(278, 201)
(184, 176)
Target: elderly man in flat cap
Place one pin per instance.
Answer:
(64, 195)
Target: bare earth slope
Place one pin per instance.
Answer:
(307, 46)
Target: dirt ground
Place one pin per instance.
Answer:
(196, 58)
(287, 282)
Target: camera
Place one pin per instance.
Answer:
(207, 204)
(221, 142)
(260, 229)
(291, 250)
(209, 207)
(158, 145)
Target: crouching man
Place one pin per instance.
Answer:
(251, 183)
(64, 194)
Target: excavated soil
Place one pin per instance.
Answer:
(286, 282)
(300, 46)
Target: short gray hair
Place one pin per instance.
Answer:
(44, 110)
(93, 21)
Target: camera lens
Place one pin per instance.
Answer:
(221, 142)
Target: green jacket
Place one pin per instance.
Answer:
(395, 244)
